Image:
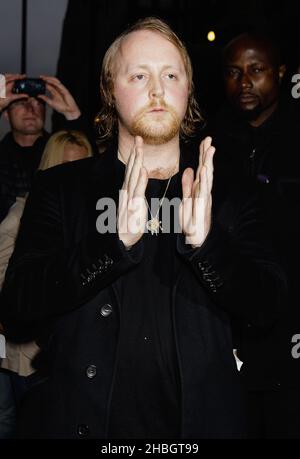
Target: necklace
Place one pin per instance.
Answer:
(154, 224)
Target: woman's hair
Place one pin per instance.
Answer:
(54, 149)
(107, 119)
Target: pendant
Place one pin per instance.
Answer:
(154, 225)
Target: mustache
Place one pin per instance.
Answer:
(160, 103)
(247, 93)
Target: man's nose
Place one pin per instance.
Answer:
(246, 81)
(30, 108)
(30, 105)
(156, 89)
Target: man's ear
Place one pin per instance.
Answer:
(5, 113)
(282, 70)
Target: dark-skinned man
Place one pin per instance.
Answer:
(256, 136)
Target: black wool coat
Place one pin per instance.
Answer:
(61, 277)
(269, 154)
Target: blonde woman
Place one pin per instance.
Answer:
(64, 146)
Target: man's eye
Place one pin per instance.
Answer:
(233, 72)
(139, 77)
(171, 76)
(257, 69)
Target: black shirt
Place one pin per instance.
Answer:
(146, 395)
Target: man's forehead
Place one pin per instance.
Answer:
(29, 99)
(249, 53)
(248, 50)
(145, 46)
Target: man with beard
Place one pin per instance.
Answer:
(257, 136)
(139, 340)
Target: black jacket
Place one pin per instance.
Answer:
(270, 156)
(17, 167)
(62, 273)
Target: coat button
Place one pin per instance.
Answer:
(91, 371)
(106, 310)
(83, 430)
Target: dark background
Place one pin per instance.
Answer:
(90, 26)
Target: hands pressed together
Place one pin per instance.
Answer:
(195, 207)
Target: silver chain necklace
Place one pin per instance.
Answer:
(154, 224)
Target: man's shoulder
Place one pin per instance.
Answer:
(6, 145)
(78, 171)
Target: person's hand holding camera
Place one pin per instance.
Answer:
(61, 100)
(10, 80)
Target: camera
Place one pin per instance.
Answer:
(31, 86)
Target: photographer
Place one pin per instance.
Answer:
(20, 154)
(21, 149)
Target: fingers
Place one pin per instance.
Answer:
(135, 171)
(204, 183)
(53, 80)
(206, 176)
(14, 97)
(53, 90)
(56, 96)
(11, 77)
(141, 185)
(187, 201)
(187, 183)
(138, 141)
(46, 99)
(204, 145)
(10, 80)
(210, 165)
(128, 168)
(54, 83)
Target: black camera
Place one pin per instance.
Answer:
(31, 86)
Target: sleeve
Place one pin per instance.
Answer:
(45, 278)
(238, 267)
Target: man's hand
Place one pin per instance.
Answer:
(61, 100)
(195, 208)
(132, 214)
(10, 96)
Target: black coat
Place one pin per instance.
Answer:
(269, 155)
(17, 168)
(62, 274)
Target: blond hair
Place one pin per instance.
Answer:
(107, 119)
(54, 150)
